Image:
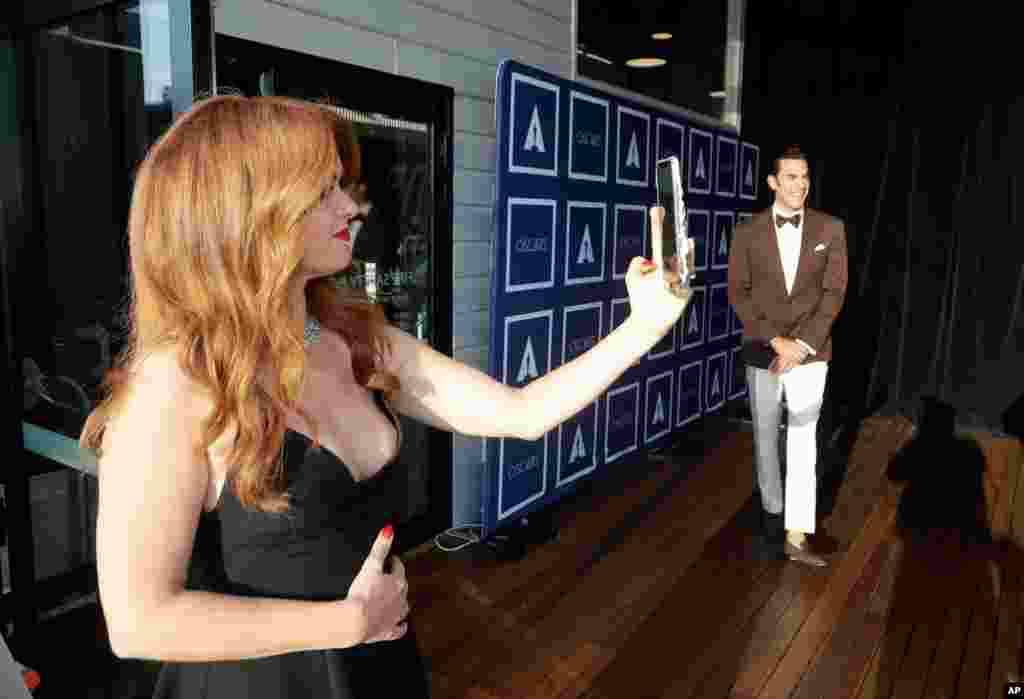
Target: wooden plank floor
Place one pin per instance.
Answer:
(652, 588)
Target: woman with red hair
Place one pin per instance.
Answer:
(254, 401)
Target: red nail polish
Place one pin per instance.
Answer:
(388, 531)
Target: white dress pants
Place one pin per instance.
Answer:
(804, 388)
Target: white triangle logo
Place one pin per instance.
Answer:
(528, 367)
(748, 179)
(579, 451)
(694, 326)
(534, 134)
(659, 411)
(723, 245)
(716, 385)
(586, 254)
(701, 172)
(633, 157)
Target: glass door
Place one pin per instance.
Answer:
(402, 250)
(91, 91)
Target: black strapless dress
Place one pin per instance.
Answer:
(311, 552)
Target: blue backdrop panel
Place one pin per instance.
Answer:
(716, 387)
(698, 224)
(748, 174)
(575, 181)
(726, 154)
(690, 404)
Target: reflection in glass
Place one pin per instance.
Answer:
(103, 93)
(155, 36)
(393, 245)
(392, 253)
(104, 85)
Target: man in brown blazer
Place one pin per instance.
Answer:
(787, 283)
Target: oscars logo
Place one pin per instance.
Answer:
(534, 134)
(528, 367)
(579, 450)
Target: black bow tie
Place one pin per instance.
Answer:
(781, 220)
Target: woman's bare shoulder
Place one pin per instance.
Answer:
(161, 393)
(160, 375)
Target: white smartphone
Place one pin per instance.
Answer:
(669, 244)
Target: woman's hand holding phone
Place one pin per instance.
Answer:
(650, 298)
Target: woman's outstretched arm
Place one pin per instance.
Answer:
(447, 394)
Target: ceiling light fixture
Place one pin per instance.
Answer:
(719, 94)
(661, 36)
(645, 62)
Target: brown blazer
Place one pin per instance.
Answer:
(757, 284)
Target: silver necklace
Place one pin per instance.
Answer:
(311, 333)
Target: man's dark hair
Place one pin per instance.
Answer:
(792, 152)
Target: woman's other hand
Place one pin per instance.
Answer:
(384, 595)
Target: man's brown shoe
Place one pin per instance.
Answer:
(802, 554)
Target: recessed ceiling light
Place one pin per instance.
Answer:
(661, 36)
(645, 62)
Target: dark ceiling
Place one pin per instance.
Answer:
(622, 30)
(625, 28)
(776, 31)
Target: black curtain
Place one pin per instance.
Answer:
(913, 122)
(934, 307)
(935, 302)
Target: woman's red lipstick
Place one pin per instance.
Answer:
(343, 235)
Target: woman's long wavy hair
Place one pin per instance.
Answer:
(215, 242)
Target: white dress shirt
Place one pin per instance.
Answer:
(789, 239)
